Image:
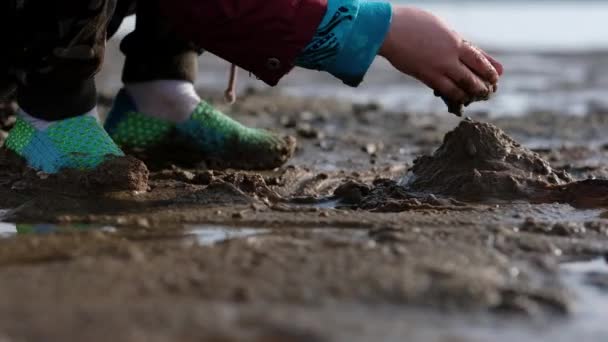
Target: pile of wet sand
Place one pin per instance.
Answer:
(477, 162)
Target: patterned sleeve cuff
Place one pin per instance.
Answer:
(348, 39)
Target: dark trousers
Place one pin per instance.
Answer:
(57, 47)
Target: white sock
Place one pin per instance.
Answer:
(42, 125)
(169, 100)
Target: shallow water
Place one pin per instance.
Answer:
(202, 234)
(207, 235)
(534, 25)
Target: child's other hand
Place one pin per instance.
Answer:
(423, 46)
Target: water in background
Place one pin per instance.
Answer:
(555, 54)
(526, 25)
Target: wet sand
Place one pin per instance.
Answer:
(298, 257)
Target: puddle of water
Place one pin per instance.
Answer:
(208, 235)
(12, 229)
(205, 235)
(322, 203)
(7, 229)
(327, 204)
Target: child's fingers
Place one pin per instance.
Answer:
(468, 81)
(478, 63)
(497, 65)
(447, 89)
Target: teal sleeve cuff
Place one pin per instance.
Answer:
(348, 39)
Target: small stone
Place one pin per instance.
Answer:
(288, 121)
(366, 107)
(186, 175)
(143, 222)
(136, 254)
(239, 215)
(325, 145)
(370, 148)
(203, 178)
(257, 207)
(568, 229)
(352, 192)
(306, 116)
(20, 185)
(305, 130)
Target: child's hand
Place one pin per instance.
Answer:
(421, 45)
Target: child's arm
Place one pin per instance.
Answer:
(270, 37)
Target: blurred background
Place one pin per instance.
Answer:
(555, 54)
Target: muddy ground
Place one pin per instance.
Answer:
(132, 264)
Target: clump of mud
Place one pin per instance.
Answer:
(115, 174)
(478, 161)
(386, 195)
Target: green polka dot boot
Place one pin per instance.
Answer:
(207, 135)
(75, 143)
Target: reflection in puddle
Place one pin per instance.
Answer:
(327, 204)
(12, 229)
(7, 229)
(322, 203)
(207, 235)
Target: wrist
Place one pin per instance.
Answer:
(388, 42)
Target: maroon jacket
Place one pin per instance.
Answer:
(261, 36)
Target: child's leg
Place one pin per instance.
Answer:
(57, 125)
(159, 101)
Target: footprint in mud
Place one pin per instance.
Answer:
(478, 162)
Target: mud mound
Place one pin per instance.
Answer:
(478, 161)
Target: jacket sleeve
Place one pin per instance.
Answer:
(263, 37)
(348, 39)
